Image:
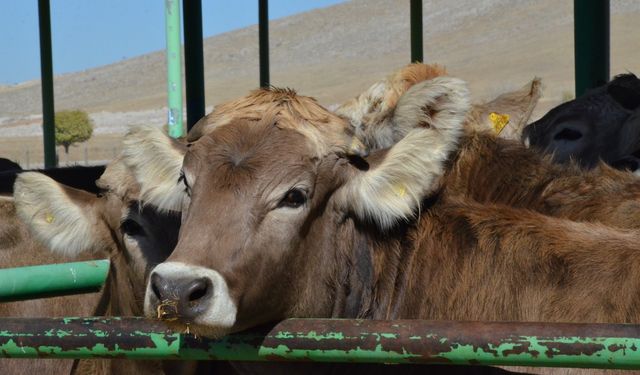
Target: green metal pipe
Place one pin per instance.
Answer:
(86, 338)
(46, 72)
(131, 338)
(263, 41)
(591, 44)
(174, 68)
(614, 346)
(416, 31)
(193, 60)
(465, 343)
(52, 280)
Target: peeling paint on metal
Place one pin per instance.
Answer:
(523, 344)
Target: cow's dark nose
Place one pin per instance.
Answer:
(180, 298)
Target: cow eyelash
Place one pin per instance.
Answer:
(183, 179)
(293, 198)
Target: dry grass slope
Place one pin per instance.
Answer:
(333, 53)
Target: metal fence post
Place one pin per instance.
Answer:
(46, 71)
(193, 60)
(416, 31)
(591, 38)
(263, 36)
(174, 68)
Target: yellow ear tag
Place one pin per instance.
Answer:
(48, 218)
(400, 190)
(498, 121)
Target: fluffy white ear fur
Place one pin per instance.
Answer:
(55, 219)
(155, 160)
(430, 119)
(370, 113)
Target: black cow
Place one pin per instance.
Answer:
(600, 125)
(8, 165)
(77, 177)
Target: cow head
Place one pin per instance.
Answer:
(113, 224)
(592, 127)
(266, 199)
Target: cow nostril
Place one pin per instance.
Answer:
(198, 289)
(155, 279)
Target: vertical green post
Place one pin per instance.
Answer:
(591, 38)
(416, 31)
(193, 60)
(174, 68)
(46, 71)
(263, 36)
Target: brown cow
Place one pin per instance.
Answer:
(75, 225)
(491, 169)
(140, 233)
(282, 223)
(371, 114)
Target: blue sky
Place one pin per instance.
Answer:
(90, 33)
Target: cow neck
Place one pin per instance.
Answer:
(119, 295)
(371, 279)
(497, 170)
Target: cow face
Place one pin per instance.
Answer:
(264, 199)
(252, 188)
(70, 221)
(592, 127)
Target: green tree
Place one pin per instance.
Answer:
(72, 127)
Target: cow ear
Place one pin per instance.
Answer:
(371, 112)
(64, 219)
(508, 114)
(155, 160)
(431, 114)
(625, 90)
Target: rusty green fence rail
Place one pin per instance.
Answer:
(52, 280)
(613, 346)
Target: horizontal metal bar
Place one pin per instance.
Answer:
(86, 338)
(615, 346)
(131, 338)
(474, 343)
(52, 280)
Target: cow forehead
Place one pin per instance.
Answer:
(288, 110)
(245, 150)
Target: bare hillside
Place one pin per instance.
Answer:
(333, 53)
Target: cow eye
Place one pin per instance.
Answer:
(294, 198)
(131, 227)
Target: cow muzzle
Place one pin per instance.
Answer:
(189, 294)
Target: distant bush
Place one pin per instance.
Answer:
(72, 127)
